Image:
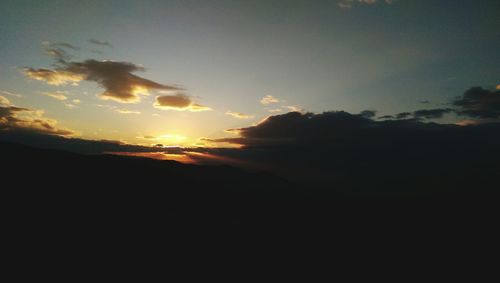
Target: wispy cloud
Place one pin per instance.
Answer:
(269, 99)
(10, 93)
(294, 108)
(100, 42)
(126, 111)
(239, 115)
(59, 95)
(70, 105)
(166, 137)
(118, 110)
(275, 110)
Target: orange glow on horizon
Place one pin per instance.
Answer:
(159, 156)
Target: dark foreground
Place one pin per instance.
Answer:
(56, 190)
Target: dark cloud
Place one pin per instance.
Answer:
(419, 114)
(368, 113)
(479, 103)
(343, 149)
(299, 127)
(179, 102)
(431, 113)
(403, 115)
(115, 77)
(386, 117)
(100, 42)
(58, 50)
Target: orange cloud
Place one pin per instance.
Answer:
(4, 101)
(115, 77)
(53, 77)
(18, 118)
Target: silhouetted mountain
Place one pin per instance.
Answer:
(55, 187)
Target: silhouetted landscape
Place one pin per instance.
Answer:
(64, 186)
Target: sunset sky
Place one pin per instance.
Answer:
(175, 72)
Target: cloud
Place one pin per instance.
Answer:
(327, 128)
(126, 111)
(70, 105)
(100, 42)
(59, 95)
(342, 151)
(276, 110)
(115, 77)
(165, 137)
(58, 50)
(10, 93)
(53, 77)
(295, 126)
(4, 101)
(386, 117)
(347, 4)
(17, 118)
(403, 115)
(419, 114)
(66, 45)
(118, 110)
(269, 99)
(479, 103)
(293, 108)
(178, 102)
(239, 115)
(431, 113)
(340, 148)
(368, 113)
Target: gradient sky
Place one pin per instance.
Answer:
(316, 55)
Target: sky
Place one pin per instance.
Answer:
(184, 72)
